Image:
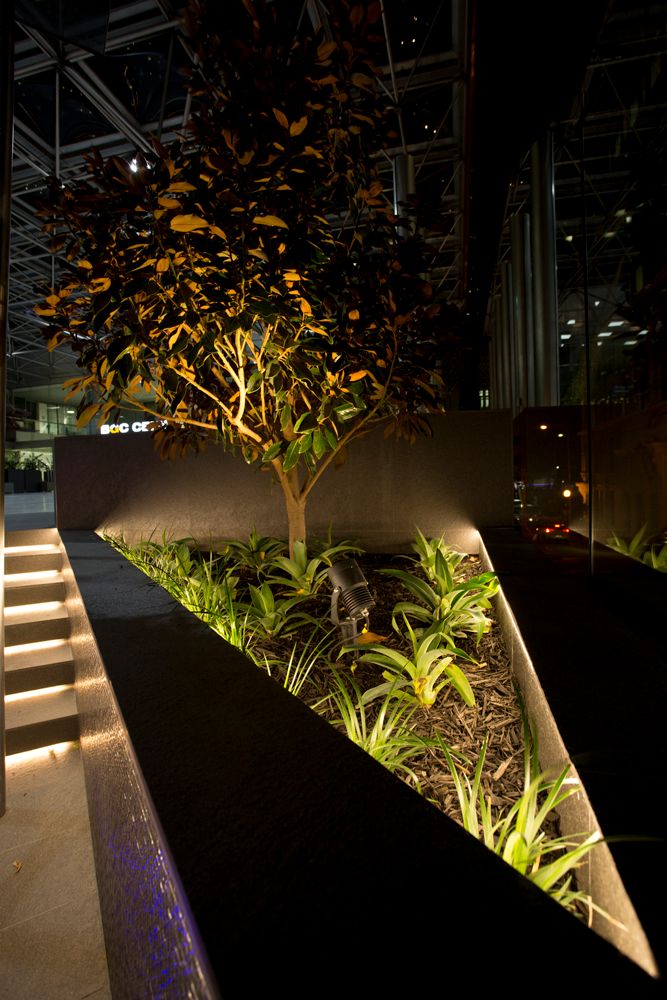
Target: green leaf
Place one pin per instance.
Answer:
(291, 456)
(302, 419)
(461, 683)
(305, 442)
(285, 416)
(319, 443)
(272, 452)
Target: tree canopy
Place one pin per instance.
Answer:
(251, 283)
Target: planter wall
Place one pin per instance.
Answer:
(593, 679)
(243, 847)
(455, 482)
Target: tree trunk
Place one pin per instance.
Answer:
(296, 517)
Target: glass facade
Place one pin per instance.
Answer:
(592, 465)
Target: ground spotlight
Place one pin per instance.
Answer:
(351, 591)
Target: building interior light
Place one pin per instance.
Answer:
(543, 427)
(642, 333)
(561, 435)
(597, 302)
(606, 333)
(616, 322)
(566, 336)
(569, 238)
(630, 343)
(571, 322)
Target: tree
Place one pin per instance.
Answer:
(251, 283)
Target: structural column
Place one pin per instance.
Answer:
(522, 312)
(545, 294)
(404, 188)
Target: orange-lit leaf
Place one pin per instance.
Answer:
(100, 284)
(361, 80)
(325, 50)
(87, 414)
(353, 314)
(296, 128)
(188, 223)
(355, 376)
(367, 637)
(181, 186)
(270, 220)
(162, 265)
(281, 117)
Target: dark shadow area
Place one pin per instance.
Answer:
(599, 654)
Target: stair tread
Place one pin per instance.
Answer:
(30, 579)
(40, 708)
(17, 616)
(33, 536)
(17, 658)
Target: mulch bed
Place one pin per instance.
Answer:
(463, 728)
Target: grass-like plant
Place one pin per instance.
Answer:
(421, 676)
(518, 835)
(296, 671)
(382, 730)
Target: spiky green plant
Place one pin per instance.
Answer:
(303, 574)
(272, 616)
(427, 550)
(256, 553)
(421, 676)
(459, 606)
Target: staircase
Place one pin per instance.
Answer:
(40, 704)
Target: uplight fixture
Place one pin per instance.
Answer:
(351, 591)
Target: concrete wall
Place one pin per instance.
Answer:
(456, 481)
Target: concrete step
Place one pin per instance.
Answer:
(39, 720)
(33, 558)
(33, 588)
(35, 536)
(41, 665)
(36, 623)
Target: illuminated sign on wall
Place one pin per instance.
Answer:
(137, 427)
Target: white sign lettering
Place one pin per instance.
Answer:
(137, 427)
